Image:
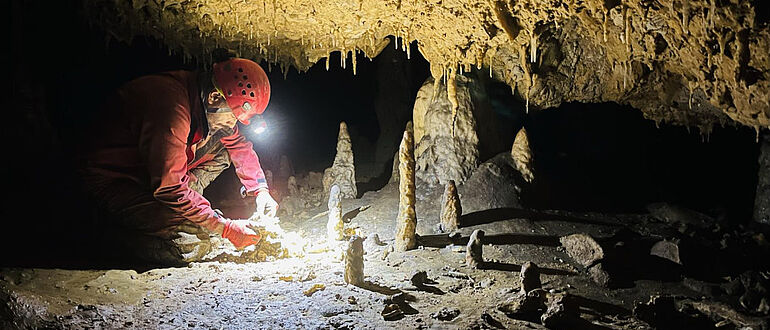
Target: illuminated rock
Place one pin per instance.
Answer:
(522, 155)
(473, 253)
(335, 226)
(450, 208)
(406, 222)
(530, 277)
(354, 261)
(343, 171)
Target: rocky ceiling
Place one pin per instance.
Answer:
(695, 63)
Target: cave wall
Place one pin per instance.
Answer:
(694, 63)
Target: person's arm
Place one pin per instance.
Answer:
(246, 163)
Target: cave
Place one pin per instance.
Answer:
(456, 164)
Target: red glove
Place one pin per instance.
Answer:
(240, 234)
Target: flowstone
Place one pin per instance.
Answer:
(446, 121)
(343, 171)
(354, 261)
(335, 226)
(406, 222)
(450, 208)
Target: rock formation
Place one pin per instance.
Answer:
(451, 210)
(343, 171)
(530, 277)
(335, 226)
(689, 63)
(291, 186)
(445, 129)
(285, 169)
(522, 155)
(394, 174)
(354, 261)
(406, 222)
(762, 199)
(582, 248)
(474, 250)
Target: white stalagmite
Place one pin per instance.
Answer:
(450, 208)
(406, 222)
(473, 252)
(354, 261)
(522, 155)
(533, 47)
(342, 172)
(335, 226)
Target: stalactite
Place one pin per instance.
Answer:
(327, 63)
(354, 61)
(451, 89)
(691, 85)
(533, 46)
(604, 24)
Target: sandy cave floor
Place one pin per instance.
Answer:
(272, 294)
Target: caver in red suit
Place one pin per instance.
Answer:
(159, 141)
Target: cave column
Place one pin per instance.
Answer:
(762, 199)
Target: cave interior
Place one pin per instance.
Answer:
(612, 161)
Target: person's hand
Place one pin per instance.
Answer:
(240, 234)
(266, 205)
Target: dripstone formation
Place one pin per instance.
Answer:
(343, 171)
(354, 261)
(406, 222)
(335, 226)
(450, 208)
(473, 252)
(522, 155)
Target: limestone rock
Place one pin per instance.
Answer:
(522, 155)
(450, 208)
(354, 261)
(599, 275)
(473, 253)
(694, 63)
(406, 222)
(343, 171)
(527, 306)
(562, 312)
(446, 129)
(530, 277)
(335, 226)
(394, 174)
(667, 250)
(762, 199)
(582, 248)
(291, 186)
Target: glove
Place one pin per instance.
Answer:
(238, 233)
(266, 205)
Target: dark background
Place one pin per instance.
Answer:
(598, 157)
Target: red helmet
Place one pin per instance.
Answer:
(244, 85)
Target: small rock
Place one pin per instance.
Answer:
(582, 248)
(352, 300)
(562, 312)
(419, 278)
(485, 283)
(667, 250)
(599, 275)
(392, 312)
(446, 314)
(525, 306)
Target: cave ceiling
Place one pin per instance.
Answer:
(692, 63)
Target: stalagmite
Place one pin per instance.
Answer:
(450, 208)
(604, 24)
(530, 277)
(335, 226)
(522, 155)
(342, 172)
(406, 222)
(451, 90)
(354, 261)
(473, 252)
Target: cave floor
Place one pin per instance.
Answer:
(277, 294)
